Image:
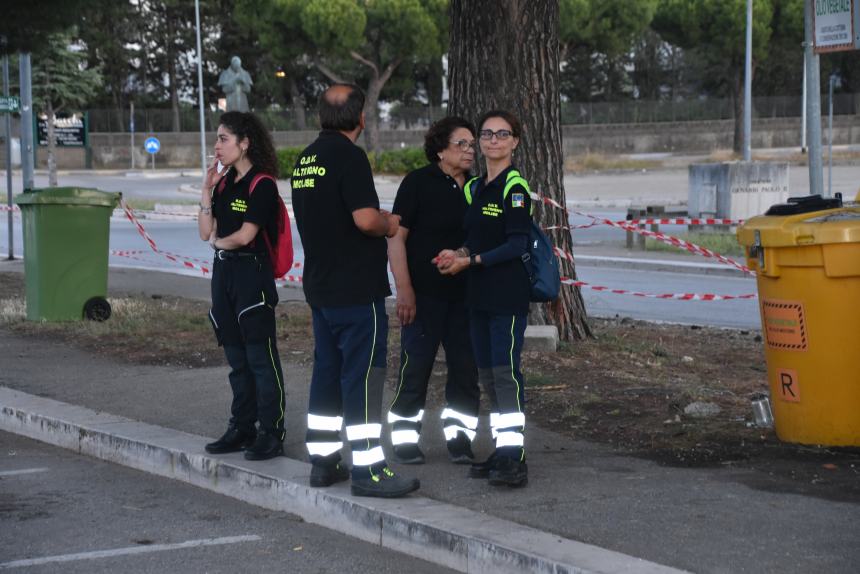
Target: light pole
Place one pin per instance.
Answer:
(748, 87)
(813, 101)
(200, 90)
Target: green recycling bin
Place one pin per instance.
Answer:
(66, 240)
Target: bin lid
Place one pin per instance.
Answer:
(68, 196)
(839, 225)
(805, 204)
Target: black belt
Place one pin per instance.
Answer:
(223, 254)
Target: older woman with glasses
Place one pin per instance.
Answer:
(430, 306)
(497, 228)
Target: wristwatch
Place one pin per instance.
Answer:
(473, 262)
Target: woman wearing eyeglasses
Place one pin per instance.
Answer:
(497, 228)
(431, 307)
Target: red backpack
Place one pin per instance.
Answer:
(281, 251)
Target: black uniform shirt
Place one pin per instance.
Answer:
(431, 205)
(235, 205)
(501, 289)
(343, 266)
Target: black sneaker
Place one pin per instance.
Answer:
(265, 447)
(482, 469)
(509, 472)
(460, 450)
(327, 474)
(408, 454)
(234, 440)
(384, 485)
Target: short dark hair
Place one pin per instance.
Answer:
(437, 137)
(516, 126)
(341, 114)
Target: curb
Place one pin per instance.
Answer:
(663, 265)
(437, 532)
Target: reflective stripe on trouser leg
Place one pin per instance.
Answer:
(323, 436)
(364, 440)
(405, 430)
(455, 422)
(507, 334)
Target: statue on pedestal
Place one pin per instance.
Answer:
(236, 83)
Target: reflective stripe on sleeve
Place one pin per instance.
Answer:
(404, 437)
(359, 432)
(393, 418)
(509, 439)
(468, 421)
(323, 448)
(367, 457)
(317, 422)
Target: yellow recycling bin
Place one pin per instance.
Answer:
(806, 255)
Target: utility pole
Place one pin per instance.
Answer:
(803, 110)
(200, 91)
(748, 87)
(813, 101)
(27, 141)
(11, 220)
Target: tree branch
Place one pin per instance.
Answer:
(328, 72)
(356, 56)
(389, 70)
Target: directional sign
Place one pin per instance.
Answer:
(10, 104)
(152, 145)
(834, 25)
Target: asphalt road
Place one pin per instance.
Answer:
(63, 512)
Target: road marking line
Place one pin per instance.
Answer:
(22, 471)
(128, 550)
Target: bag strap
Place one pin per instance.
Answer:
(514, 178)
(257, 179)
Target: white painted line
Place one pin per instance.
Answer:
(22, 471)
(127, 551)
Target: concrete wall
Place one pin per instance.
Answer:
(111, 150)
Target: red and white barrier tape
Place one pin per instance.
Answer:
(14, 208)
(675, 296)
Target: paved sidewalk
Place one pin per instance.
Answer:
(704, 520)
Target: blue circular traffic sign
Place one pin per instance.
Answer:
(152, 145)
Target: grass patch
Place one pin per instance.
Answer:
(600, 162)
(149, 204)
(722, 243)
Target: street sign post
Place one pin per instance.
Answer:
(152, 145)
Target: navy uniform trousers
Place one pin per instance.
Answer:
(437, 321)
(243, 316)
(498, 344)
(346, 385)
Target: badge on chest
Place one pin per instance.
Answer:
(491, 210)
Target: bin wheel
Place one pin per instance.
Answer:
(97, 309)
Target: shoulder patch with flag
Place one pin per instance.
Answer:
(517, 200)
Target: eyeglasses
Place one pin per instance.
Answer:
(501, 135)
(464, 145)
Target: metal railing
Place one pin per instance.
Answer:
(420, 117)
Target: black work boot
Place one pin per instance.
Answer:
(234, 440)
(265, 447)
(384, 485)
(460, 449)
(482, 469)
(408, 454)
(323, 474)
(509, 472)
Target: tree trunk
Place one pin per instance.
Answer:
(171, 74)
(371, 114)
(297, 102)
(52, 147)
(738, 96)
(519, 71)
